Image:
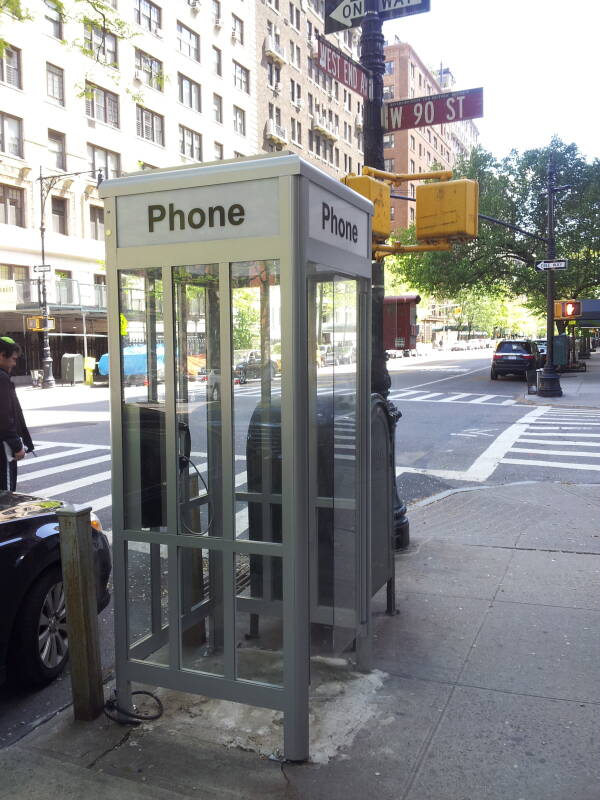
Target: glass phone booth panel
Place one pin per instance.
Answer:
(333, 351)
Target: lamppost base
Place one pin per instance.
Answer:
(549, 383)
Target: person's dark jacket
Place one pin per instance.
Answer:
(13, 429)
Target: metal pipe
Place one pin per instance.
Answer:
(549, 385)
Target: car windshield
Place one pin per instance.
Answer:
(513, 347)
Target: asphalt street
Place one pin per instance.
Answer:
(458, 428)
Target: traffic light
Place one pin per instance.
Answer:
(447, 210)
(567, 309)
(378, 193)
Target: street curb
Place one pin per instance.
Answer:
(434, 498)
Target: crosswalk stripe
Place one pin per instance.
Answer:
(553, 452)
(42, 473)
(101, 502)
(549, 432)
(555, 464)
(429, 395)
(483, 398)
(563, 444)
(75, 444)
(456, 397)
(70, 486)
(29, 462)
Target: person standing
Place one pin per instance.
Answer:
(15, 439)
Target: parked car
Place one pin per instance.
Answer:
(542, 346)
(515, 357)
(253, 366)
(33, 637)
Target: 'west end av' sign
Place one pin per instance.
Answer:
(342, 68)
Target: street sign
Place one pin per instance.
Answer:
(342, 68)
(42, 268)
(340, 15)
(435, 109)
(546, 265)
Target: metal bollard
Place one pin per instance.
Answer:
(82, 613)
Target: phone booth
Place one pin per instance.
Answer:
(241, 531)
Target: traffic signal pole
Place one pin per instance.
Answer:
(372, 58)
(549, 384)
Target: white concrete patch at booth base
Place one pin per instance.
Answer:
(333, 221)
(199, 214)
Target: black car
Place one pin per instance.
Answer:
(33, 634)
(515, 357)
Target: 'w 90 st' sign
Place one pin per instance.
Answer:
(418, 112)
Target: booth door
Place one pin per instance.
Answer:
(336, 546)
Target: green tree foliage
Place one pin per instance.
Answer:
(246, 319)
(501, 261)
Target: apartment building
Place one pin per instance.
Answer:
(179, 87)
(299, 107)
(419, 149)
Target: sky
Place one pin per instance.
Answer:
(538, 62)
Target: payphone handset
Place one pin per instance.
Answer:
(187, 504)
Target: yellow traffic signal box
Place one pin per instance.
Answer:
(567, 309)
(447, 210)
(378, 193)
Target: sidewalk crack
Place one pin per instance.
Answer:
(123, 740)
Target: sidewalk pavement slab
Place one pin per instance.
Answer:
(485, 684)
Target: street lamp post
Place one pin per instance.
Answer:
(549, 384)
(47, 183)
(372, 58)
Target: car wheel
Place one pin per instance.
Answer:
(494, 375)
(40, 647)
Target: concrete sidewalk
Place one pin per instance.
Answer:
(579, 389)
(486, 684)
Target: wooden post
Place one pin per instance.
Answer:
(82, 611)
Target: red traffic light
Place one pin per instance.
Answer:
(572, 308)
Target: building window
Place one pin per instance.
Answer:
(294, 17)
(241, 78)
(190, 143)
(59, 215)
(273, 74)
(97, 226)
(388, 164)
(101, 105)
(388, 92)
(190, 92)
(11, 135)
(105, 160)
(412, 142)
(217, 61)
(411, 212)
(413, 190)
(150, 125)
(216, 11)
(218, 107)
(389, 67)
(218, 151)
(10, 66)
(55, 83)
(53, 19)
(8, 272)
(388, 140)
(100, 44)
(148, 15)
(239, 120)
(149, 70)
(12, 206)
(57, 158)
(237, 29)
(188, 42)
(274, 4)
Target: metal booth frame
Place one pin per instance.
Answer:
(296, 184)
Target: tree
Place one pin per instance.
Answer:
(502, 261)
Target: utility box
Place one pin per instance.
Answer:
(400, 322)
(447, 210)
(71, 368)
(250, 552)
